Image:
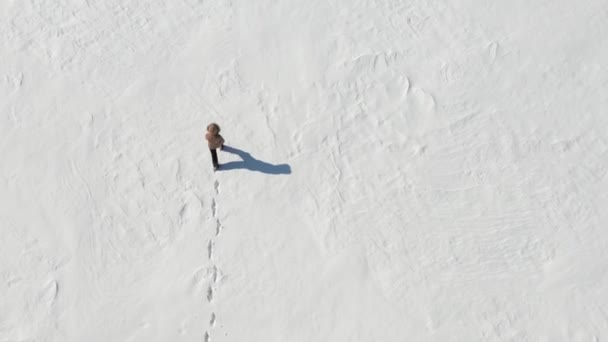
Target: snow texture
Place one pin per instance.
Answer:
(394, 171)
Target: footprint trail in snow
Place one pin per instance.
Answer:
(210, 250)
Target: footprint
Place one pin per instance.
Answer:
(207, 337)
(209, 294)
(210, 249)
(218, 227)
(212, 320)
(215, 274)
(182, 211)
(214, 208)
(216, 187)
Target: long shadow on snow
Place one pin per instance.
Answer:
(250, 163)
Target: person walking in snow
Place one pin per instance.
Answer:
(215, 141)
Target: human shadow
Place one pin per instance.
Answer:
(252, 164)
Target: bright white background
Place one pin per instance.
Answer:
(414, 170)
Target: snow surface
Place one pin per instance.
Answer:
(399, 170)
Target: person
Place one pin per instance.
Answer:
(215, 141)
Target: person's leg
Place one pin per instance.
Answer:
(214, 157)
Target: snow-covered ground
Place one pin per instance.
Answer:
(397, 171)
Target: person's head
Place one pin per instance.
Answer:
(213, 128)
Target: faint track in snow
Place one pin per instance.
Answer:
(65, 36)
(210, 248)
(268, 106)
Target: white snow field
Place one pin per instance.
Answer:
(396, 171)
